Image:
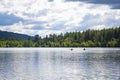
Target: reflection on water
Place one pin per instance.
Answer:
(59, 64)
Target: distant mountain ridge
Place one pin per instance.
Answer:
(10, 35)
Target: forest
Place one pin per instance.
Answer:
(89, 38)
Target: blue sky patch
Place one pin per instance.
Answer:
(8, 19)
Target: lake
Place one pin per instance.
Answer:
(59, 64)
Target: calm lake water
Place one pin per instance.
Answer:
(59, 64)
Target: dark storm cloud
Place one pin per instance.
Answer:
(114, 3)
(8, 19)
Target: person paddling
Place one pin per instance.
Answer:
(84, 49)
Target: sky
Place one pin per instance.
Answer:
(44, 17)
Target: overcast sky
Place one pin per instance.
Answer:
(45, 17)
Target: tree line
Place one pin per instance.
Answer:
(89, 38)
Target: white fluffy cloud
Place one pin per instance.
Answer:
(44, 17)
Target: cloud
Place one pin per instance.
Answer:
(99, 27)
(19, 28)
(104, 20)
(114, 3)
(55, 16)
